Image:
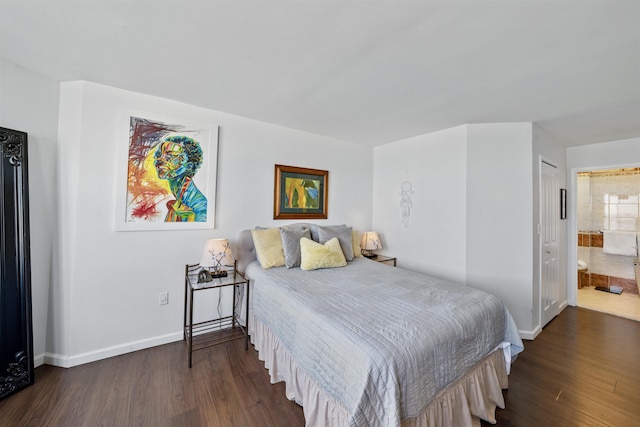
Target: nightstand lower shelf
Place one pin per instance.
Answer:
(214, 332)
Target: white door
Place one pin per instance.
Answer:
(549, 220)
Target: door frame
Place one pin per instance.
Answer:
(572, 226)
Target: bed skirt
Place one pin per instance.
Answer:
(473, 397)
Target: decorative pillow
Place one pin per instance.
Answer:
(291, 244)
(343, 233)
(268, 244)
(314, 255)
(355, 242)
(314, 232)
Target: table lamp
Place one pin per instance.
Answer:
(370, 242)
(216, 253)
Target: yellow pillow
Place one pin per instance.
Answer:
(355, 241)
(314, 255)
(268, 246)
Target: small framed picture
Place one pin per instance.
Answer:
(300, 193)
(563, 203)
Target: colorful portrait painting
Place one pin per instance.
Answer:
(168, 176)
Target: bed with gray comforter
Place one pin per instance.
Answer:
(380, 342)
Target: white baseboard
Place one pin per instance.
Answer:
(66, 361)
(530, 335)
(38, 360)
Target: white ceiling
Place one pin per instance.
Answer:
(370, 72)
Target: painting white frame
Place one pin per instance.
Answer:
(204, 179)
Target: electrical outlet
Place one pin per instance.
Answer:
(164, 298)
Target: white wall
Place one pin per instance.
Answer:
(434, 239)
(29, 103)
(471, 220)
(108, 284)
(500, 214)
(606, 155)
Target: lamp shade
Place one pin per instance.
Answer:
(370, 241)
(216, 252)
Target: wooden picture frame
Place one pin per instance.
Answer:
(300, 193)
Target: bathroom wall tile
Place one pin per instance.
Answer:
(620, 266)
(583, 202)
(583, 279)
(627, 285)
(605, 281)
(598, 262)
(611, 265)
(587, 239)
(583, 239)
(584, 253)
(596, 240)
(622, 224)
(599, 280)
(626, 199)
(584, 223)
(617, 199)
(598, 220)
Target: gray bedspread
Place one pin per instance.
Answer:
(380, 340)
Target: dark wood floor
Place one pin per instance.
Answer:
(582, 370)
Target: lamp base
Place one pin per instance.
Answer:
(368, 254)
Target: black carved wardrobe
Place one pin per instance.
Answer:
(16, 336)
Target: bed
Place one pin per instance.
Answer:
(367, 344)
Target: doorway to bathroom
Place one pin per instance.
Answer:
(608, 212)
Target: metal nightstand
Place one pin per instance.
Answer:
(214, 331)
(382, 258)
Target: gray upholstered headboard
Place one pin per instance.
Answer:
(247, 252)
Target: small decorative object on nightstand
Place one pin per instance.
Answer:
(369, 243)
